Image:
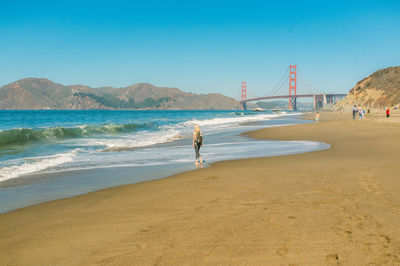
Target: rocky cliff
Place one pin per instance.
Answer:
(380, 89)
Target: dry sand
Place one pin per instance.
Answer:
(334, 207)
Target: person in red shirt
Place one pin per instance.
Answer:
(387, 113)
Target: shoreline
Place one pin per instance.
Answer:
(27, 191)
(332, 206)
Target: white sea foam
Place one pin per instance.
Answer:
(140, 139)
(36, 164)
(104, 166)
(231, 120)
(169, 133)
(136, 140)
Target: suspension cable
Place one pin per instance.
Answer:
(307, 87)
(279, 85)
(310, 85)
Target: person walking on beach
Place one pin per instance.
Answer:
(317, 117)
(197, 143)
(355, 110)
(387, 113)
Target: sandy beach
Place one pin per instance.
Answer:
(339, 206)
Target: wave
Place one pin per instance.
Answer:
(33, 165)
(235, 119)
(169, 133)
(172, 132)
(149, 134)
(27, 135)
(237, 113)
(137, 141)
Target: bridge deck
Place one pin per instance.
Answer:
(295, 96)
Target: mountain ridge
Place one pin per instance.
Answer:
(42, 93)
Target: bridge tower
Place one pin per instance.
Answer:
(292, 88)
(244, 95)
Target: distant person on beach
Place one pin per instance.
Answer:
(387, 113)
(317, 117)
(197, 143)
(359, 111)
(355, 110)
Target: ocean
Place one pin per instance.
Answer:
(52, 154)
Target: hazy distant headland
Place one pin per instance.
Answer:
(39, 93)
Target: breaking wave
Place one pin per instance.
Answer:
(27, 135)
(33, 165)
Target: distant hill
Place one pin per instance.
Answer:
(35, 93)
(283, 105)
(380, 89)
(277, 104)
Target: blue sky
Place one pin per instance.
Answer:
(198, 46)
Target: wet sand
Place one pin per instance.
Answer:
(330, 207)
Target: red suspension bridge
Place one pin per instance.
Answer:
(319, 98)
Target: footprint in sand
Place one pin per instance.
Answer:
(368, 184)
(212, 177)
(332, 258)
(282, 251)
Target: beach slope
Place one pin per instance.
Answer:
(330, 207)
